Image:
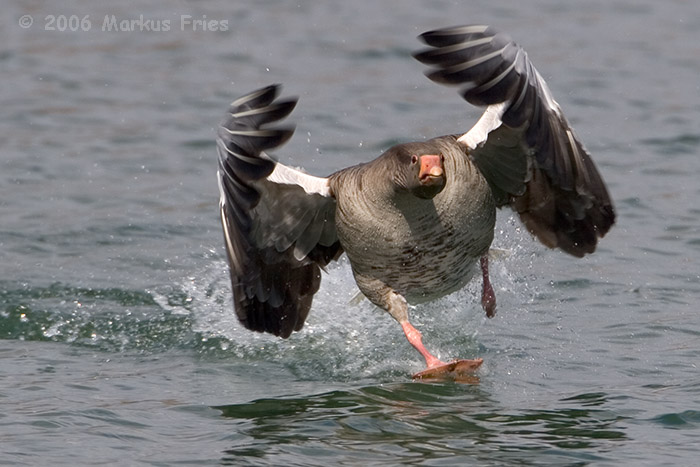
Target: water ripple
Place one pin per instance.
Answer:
(408, 421)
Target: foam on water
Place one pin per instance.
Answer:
(345, 338)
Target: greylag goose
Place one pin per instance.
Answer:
(414, 221)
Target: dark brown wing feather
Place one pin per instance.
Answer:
(278, 236)
(523, 145)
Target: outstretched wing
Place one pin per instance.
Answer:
(279, 223)
(523, 143)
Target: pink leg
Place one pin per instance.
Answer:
(488, 296)
(414, 337)
(393, 302)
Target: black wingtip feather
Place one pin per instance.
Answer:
(259, 98)
(272, 289)
(246, 132)
(255, 117)
(454, 35)
(565, 203)
(473, 55)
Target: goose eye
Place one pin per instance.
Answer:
(414, 159)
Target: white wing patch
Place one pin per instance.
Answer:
(310, 184)
(489, 121)
(551, 103)
(226, 223)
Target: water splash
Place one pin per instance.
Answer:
(346, 339)
(106, 319)
(342, 339)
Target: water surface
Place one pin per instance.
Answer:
(119, 345)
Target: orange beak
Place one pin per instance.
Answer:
(430, 169)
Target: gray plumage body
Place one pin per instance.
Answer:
(420, 248)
